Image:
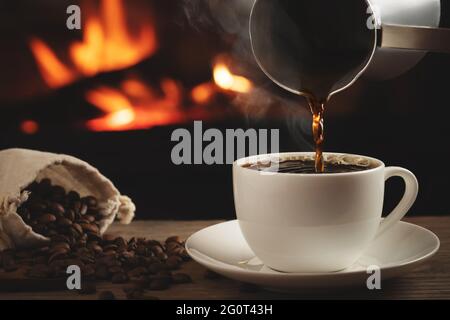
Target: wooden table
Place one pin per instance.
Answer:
(430, 281)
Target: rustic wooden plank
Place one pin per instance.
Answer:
(430, 281)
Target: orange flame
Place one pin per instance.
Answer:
(134, 106)
(226, 80)
(203, 93)
(54, 72)
(107, 45)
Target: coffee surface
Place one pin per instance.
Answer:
(307, 166)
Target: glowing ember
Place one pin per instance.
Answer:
(228, 81)
(29, 127)
(135, 107)
(107, 46)
(203, 93)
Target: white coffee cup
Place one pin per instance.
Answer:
(315, 223)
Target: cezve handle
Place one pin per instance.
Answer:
(415, 38)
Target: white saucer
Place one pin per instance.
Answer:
(222, 249)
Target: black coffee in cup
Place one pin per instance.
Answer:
(308, 166)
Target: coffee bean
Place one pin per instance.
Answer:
(51, 233)
(47, 218)
(106, 295)
(175, 239)
(172, 246)
(90, 201)
(58, 254)
(174, 262)
(157, 250)
(162, 256)
(37, 208)
(73, 196)
(70, 214)
(64, 222)
(155, 268)
(90, 227)
(83, 209)
(120, 242)
(185, 255)
(60, 238)
(58, 190)
(77, 228)
(137, 272)
(76, 206)
(60, 246)
(95, 247)
(180, 278)
(73, 226)
(89, 218)
(56, 208)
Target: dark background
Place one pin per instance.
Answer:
(402, 121)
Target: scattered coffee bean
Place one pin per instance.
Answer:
(72, 225)
(175, 239)
(174, 262)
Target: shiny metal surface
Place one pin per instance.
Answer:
(415, 38)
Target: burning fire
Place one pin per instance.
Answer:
(107, 45)
(228, 81)
(136, 106)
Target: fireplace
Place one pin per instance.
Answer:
(113, 92)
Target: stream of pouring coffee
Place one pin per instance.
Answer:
(317, 110)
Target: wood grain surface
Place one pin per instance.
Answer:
(429, 281)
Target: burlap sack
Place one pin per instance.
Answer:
(19, 168)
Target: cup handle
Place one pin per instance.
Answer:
(411, 191)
